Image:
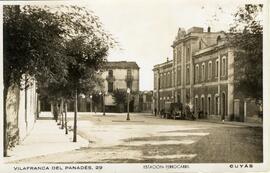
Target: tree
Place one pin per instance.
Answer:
(120, 98)
(32, 44)
(86, 45)
(60, 48)
(246, 38)
(82, 76)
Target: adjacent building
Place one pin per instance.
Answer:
(116, 75)
(201, 74)
(163, 84)
(121, 75)
(146, 101)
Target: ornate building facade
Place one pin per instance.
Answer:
(201, 74)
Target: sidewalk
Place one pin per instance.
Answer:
(136, 117)
(232, 123)
(220, 122)
(45, 138)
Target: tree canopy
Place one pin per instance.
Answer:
(246, 37)
(61, 47)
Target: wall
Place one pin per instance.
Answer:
(27, 110)
(21, 109)
(12, 110)
(120, 79)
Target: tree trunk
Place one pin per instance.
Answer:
(37, 107)
(5, 138)
(75, 117)
(58, 106)
(55, 112)
(62, 114)
(66, 118)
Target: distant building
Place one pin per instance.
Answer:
(146, 101)
(202, 74)
(116, 75)
(163, 84)
(121, 75)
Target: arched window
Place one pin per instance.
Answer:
(188, 75)
(161, 81)
(197, 73)
(210, 70)
(203, 72)
(209, 111)
(223, 66)
(223, 105)
(216, 105)
(217, 68)
(202, 104)
(179, 55)
(188, 53)
(196, 106)
(168, 79)
(179, 76)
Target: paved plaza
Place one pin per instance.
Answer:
(150, 139)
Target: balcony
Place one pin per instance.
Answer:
(129, 78)
(110, 78)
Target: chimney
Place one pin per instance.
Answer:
(208, 29)
(167, 59)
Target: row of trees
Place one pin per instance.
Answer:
(62, 49)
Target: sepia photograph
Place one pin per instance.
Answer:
(160, 86)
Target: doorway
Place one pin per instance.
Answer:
(209, 106)
(223, 114)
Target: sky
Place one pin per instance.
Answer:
(146, 29)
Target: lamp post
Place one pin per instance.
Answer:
(100, 94)
(83, 108)
(128, 92)
(103, 102)
(91, 105)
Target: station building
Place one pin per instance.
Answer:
(201, 73)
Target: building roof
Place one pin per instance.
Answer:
(121, 65)
(164, 65)
(221, 43)
(192, 33)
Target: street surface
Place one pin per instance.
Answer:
(149, 139)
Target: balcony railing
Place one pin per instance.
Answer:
(110, 78)
(129, 78)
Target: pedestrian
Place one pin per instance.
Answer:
(155, 110)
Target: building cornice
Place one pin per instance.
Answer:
(187, 37)
(210, 49)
